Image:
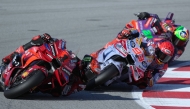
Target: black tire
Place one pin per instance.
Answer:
(24, 87)
(106, 74)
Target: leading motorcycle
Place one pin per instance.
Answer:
(126, 59)
(156, 28)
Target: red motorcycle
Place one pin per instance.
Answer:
(42, 69)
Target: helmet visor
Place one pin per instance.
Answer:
(178, 42)
(163, 57)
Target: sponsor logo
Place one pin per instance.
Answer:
(53, 49)
(66, 71)
(127, 44)
(47, 47)
(132, 43)
(141, 25)
(167, 51)
(183, 34)
(140, 57)
(139, 40)
(144, 64)
(142, 68)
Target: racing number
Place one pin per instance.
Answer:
(139, 54)
(137, 51)
(147, 33)
(141, 57)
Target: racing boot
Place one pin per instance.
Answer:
(74, 85)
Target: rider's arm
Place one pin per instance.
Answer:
(128, 33)
(157, 74)
(36, 41)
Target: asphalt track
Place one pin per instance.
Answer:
(86, 25)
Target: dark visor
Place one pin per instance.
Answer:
(163, 57)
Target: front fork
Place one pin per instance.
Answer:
(119, 65)
(1, 83)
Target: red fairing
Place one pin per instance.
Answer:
(30, 61)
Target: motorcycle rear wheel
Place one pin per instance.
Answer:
(106, 74)
(25, 86)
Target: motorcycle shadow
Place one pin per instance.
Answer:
(100, 93)
(112, 92)
(176, 63)
(116, 87)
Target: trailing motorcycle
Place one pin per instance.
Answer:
(126, 59)
(44, 68)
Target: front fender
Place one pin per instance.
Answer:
(108, 53)
(8, 76)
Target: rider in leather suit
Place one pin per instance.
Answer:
(77, 79)
(179, 34)
(158, 67)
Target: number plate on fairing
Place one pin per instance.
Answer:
(137, 53)
(121, 49)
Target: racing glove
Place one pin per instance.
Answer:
(167, 28)
(129, 33)
(46, 37)
(38, 40)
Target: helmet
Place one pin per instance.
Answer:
(164, 51)
(181, 36)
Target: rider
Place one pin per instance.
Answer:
(179, 34)
(164, 51)
(77, 80)
(160, 64)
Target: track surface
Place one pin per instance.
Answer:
(86, 25)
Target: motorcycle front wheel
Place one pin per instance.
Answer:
(22, 86)
(106, 74)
